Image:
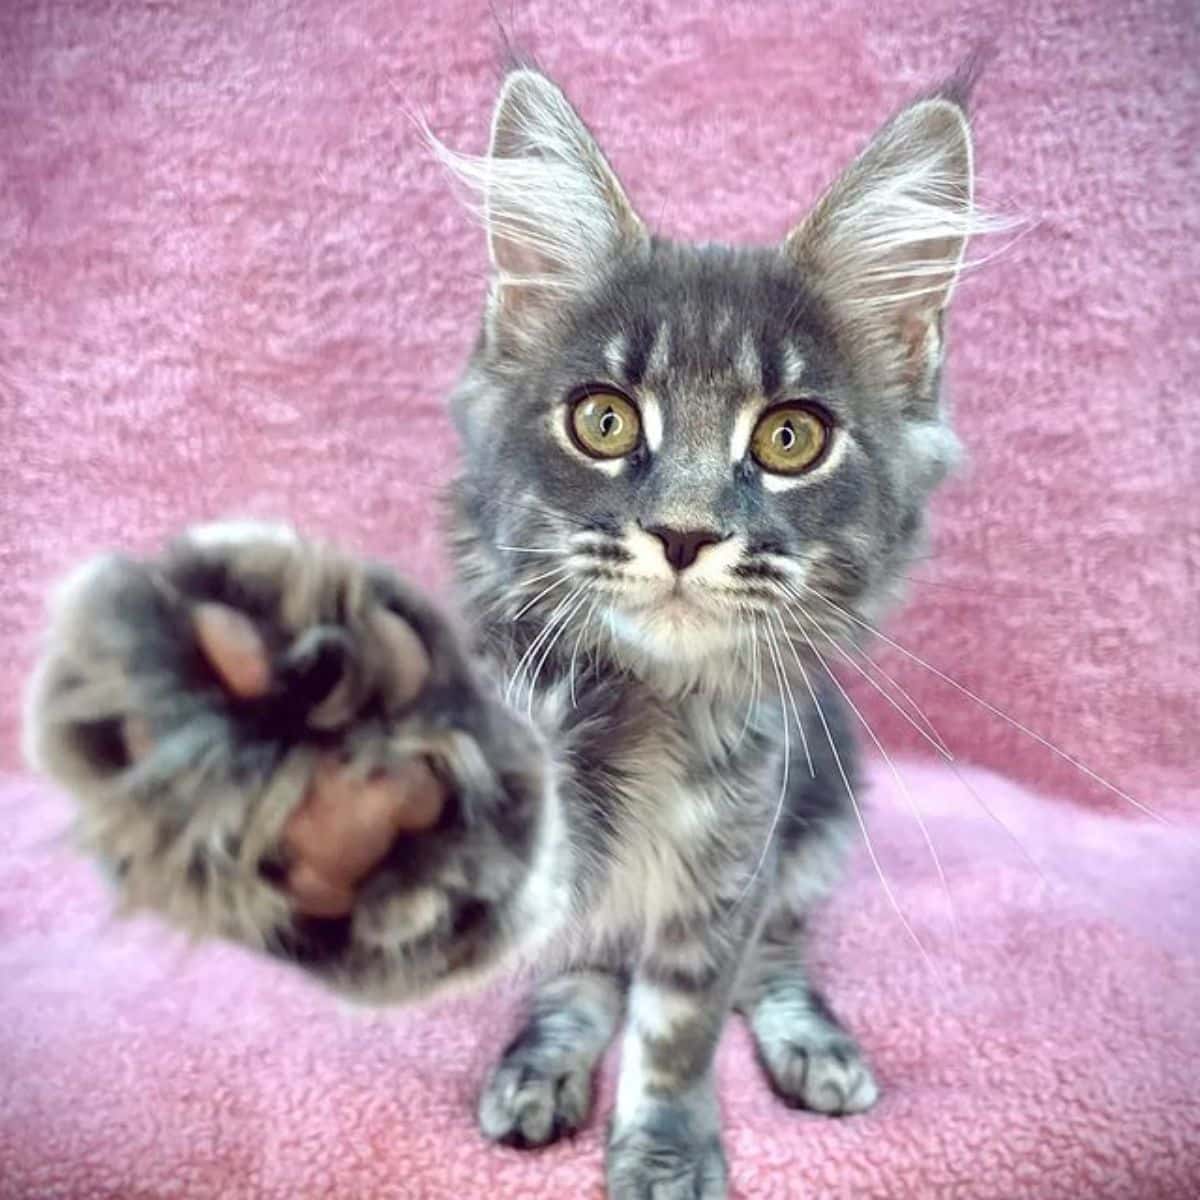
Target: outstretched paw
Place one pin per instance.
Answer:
(274, 742)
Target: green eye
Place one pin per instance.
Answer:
(605, 425)
(788, 439)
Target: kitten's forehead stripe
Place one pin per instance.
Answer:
(721, 323)
(615, 355)
(743, 427)
(658, 359)
(652, 422)
(638, 347)
(748, 362)
(691, 321)
(772, 374)
(792, 366)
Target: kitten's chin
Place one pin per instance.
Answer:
(675, 629)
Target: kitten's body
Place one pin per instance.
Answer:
(651, 770)
(674, 798)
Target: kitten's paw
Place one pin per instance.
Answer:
(810, 1060)
(530, 1100)
(664, 1156)
(273, 742)
(822, 1070)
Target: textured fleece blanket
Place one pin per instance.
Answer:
(231, 282)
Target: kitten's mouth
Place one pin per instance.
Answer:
(674, 620)
(676, 606)
(675, 626)
(678, 603)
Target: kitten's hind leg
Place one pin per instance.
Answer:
(810, 1059)
(542, 1088)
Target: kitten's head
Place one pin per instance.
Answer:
(682, 444)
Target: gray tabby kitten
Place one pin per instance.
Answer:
(689, 471)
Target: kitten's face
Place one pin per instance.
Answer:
(688, 445)
(713, 352)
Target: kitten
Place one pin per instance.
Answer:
(688, 472)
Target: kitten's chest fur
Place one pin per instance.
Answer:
(668, 784)
(669, 810)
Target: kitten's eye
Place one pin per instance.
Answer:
(789, 439)
(605, 425)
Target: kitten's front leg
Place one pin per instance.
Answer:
(665, 1142)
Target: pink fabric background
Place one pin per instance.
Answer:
(230, 281)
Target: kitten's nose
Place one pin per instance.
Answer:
(681, 546)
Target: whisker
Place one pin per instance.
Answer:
(966, 691)
(575, 650)
(777, 662)
(756, 669)
(989, 593)
(792, 697)
(524, 583)
(929, 733)
(515, 678)
(516, 674)
(533, 647)
(936, 741)
(579, 595)
(952, 761)
(523, 549)
(544, 592)
(862, 825)
(901, 783)
(926, 727)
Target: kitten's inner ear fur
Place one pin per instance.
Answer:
(553, 207)
(885, 243)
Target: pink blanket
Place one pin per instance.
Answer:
(230, 281)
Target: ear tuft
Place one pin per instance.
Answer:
(886, 243)
(553, 208)
(892, 231)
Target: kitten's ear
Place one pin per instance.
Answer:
(885, 244)
(553, 207)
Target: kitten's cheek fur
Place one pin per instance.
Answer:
(195, 827)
